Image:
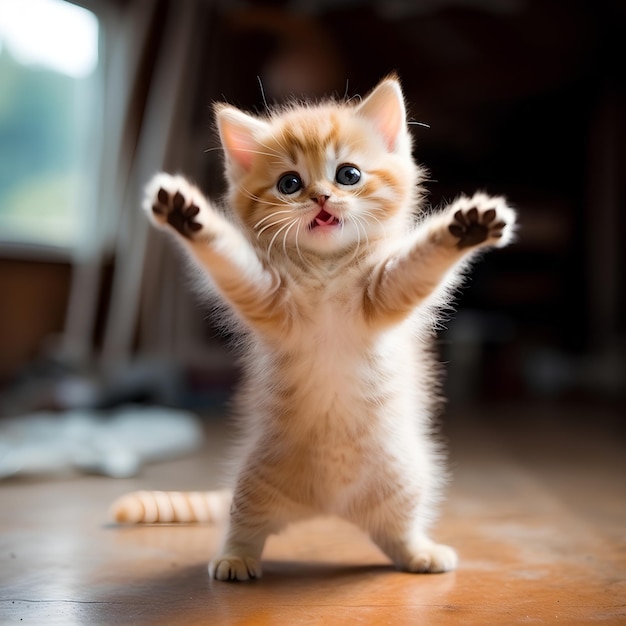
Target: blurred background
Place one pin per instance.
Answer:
(524, 98)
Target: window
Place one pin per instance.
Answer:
(49, 121)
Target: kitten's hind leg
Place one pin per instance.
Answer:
(415, 552)
(258, 510)
(398, 531)
(249, 526)
(239, 560)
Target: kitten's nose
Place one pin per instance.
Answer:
(321, 200)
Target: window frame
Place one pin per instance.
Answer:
(88, 241)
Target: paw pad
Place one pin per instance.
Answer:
(473, 227)
(177, 212)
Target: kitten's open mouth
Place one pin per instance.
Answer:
(324, 218)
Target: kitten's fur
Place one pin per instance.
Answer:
(338, 312)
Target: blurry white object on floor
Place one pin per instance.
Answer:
(116, 443)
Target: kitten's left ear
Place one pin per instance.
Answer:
(384, 108)
(239, 133)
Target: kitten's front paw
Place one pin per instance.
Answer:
(235, 568)
(481, 220)
(433, 559)
(173, 201)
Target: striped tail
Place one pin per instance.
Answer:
(154, 507)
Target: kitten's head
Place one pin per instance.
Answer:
(322, 178)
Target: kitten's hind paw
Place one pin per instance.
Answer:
(173, 201)
(231, 568)
(434, 558)
(481, 220)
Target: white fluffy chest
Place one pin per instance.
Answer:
(338, 368)
(331, 397)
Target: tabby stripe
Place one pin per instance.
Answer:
(150, 507)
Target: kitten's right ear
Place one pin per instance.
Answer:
(239, 134)
(384, 108)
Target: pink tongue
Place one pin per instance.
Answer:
(324, 218)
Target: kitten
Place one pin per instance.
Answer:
(335, 276)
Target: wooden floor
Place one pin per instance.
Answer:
(536, 510)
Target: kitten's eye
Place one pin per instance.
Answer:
(347, 175)
(289, 183)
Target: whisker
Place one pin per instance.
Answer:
(250, 195)
(269, 154)
(267, 217)
(365, 213)
(280, 221)
(267, 108)
(360, 225)
(295, 221)
(358, 241)
(298, 242)
(256, 198)
(275, 153)
(269, 248)
(279, 154)
(354, 97)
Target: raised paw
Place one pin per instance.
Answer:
(178, 212)
(481, 220)
(173, 201)
(231, 568)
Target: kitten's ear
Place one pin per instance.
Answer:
(384, 108)
(239, 133)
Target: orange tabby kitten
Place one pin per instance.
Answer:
(335, 277)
